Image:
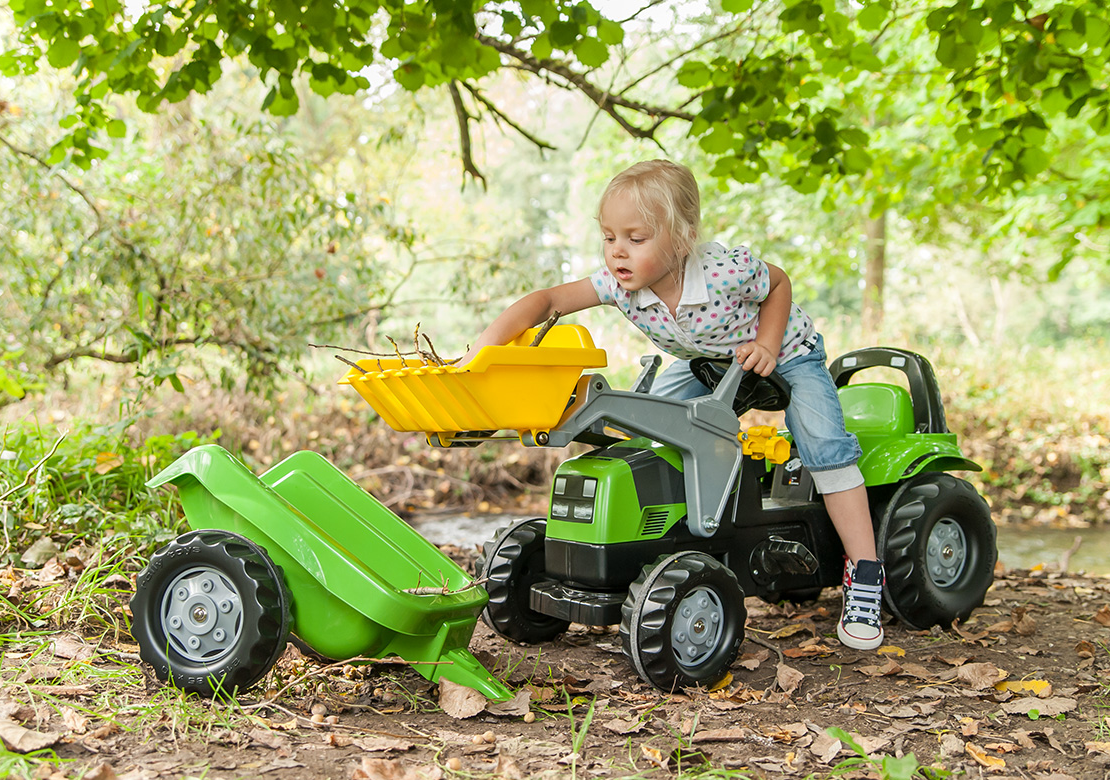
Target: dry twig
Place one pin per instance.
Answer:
(547, 325)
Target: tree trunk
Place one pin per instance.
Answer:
(875, 251)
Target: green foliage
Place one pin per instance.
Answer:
(888, 767)
(92, 485)
(768, 90)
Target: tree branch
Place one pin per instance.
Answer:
(31, 155)
(464, 118)
(477, 95)
(603, 99)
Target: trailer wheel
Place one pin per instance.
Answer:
(511, 563)
(938, 544)
(683, 621)
(211, 613)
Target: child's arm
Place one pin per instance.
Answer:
(532, 309)
(761, 355)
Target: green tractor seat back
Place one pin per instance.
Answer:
(926, 403)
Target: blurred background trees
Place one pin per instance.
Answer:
(195, 193)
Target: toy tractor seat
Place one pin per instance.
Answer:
(769, 393)
(926, 406)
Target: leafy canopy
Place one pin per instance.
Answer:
(760, 84)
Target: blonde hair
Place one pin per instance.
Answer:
(666, 196)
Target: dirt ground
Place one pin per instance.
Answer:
(1021, 690)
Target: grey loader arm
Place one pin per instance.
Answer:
(705, 430)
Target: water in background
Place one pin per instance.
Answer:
(1018, 547)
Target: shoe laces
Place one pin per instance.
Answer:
(862, 601)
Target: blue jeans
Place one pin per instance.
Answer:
(814, 416)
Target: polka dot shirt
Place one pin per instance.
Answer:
(719, 309)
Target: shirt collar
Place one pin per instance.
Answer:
(694, 291)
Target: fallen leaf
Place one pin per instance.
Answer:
(1103, 616)
(1085, 649)
(917, 670)
(382, 769)
(507, 768)
(886, 669)
(106, 461)
(724, 683)
(624, 725)
(269, 739)
(100, 772)
(74, 721)
(789, 630)
(1002, 747)
(952, 660)
(1024, 624)
(51, 571)
(951, 745)
(891, 650)
(788, 678)
(40, 552)
(519, 705)
(73, 648)
(1041, 688)
(825, 748)
(21, 740)
(1048, 708)
(459, 701)
(982, 759)
(1097, 747)
(653, 756)
(980, 676)
(971, 636)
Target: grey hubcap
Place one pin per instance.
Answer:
(696, 630)
(946, 552)
(202, 614)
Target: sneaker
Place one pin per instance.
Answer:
(861, 624)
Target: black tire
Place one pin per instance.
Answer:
(938, 544)
(511, 563)
(196, 576)
(673, 597)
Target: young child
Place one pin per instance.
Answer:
(709, 301)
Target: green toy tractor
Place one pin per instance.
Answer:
(672, 520)
(664, 527)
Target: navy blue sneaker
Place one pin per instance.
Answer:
(861, 625)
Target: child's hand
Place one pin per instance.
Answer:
(755, 357)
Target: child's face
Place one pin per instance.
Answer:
(636, 256)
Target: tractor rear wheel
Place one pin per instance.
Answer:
(211, 613)
(683, 621)
(938, 543)
(511, 563)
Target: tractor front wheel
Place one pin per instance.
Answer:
(938, 544)
(683, 621)
(211, 613)
(511, 563)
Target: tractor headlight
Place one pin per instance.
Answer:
(572, 498)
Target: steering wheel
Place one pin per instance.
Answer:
(769, 393)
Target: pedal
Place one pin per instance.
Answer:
(783, 556)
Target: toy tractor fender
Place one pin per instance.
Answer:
(902, 433)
